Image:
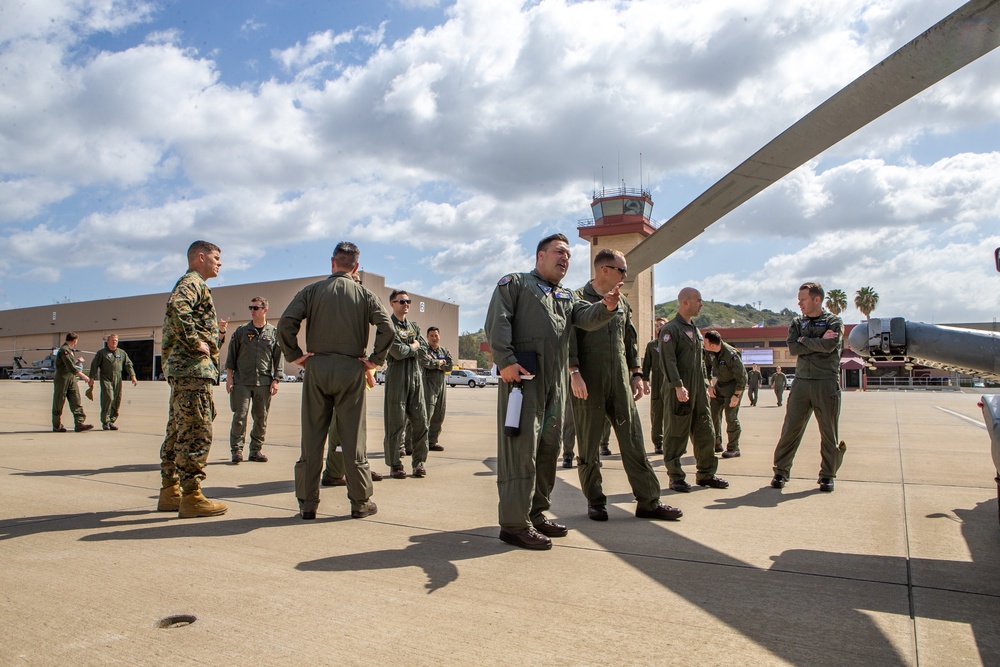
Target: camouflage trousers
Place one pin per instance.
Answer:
(184, 452)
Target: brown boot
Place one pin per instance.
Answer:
(194, 505)
(170, 497)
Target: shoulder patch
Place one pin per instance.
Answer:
(666, 338)
(506, 279)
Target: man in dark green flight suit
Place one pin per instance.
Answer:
(529, 321)
(652, 384)
(754, 378)
(606, 382)
(254, 375)
(685, 406)
(779, 382)
(110, 365)
(339, 314)
(404, 391)
(815, 339)
(64, 387)
(436, 364)
(729, 379)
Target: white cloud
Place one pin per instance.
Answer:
(463, 143)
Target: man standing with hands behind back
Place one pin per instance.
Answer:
(254, 365)
(529, 320)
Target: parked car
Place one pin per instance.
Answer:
(469, 378)
(25, 375)
(788, 380)
(380, 377)
(290, 378)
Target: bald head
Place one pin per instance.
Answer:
(689, 303)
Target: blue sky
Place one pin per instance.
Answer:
(446, 138)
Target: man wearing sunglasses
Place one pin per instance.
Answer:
(254, 374)
(404, 390)
(606, 381)
(529, 321)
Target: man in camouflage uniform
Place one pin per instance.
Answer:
(404, 390)
(529, 321)
(815, 339)
(754, 378)
(606, 382)
(339, 314)
(254, 374)
(192, 336)
(436, 363)
(110, 365)
(779, 382)
(729, 379)
(652, 384)
(64, 387)
(685, 406)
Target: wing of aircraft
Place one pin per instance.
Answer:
(972, 31)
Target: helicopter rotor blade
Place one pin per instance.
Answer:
(970, 32)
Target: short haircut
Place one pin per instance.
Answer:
(261, 299)
(71, 335)
(815, 289)
(661, 319)
(396, 292)
(346, 254)
(544, 243)
(430, 329)
(110, 336)
(713, 337)
(201, 246)
(606, 256)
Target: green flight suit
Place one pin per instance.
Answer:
(436, 364)
(779, 382)
(652, 373)
(529, 315)
(605, 358)
(110, 367)
(754, 379)
(339, 314)
(731, 379)
(335, 465)
(64, 387)
(816, 391)
(404, 394)
(189, 321)
(683, 363)
(253, 362)
(569, 430)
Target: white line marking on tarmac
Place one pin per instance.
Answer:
(961, 416)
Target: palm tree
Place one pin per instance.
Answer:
(865, 300)
(836, 301)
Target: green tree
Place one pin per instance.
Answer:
(836, 301)
(865, 300)
(468, 347)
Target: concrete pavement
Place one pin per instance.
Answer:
(899, 566)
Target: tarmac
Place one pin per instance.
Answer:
(899, 566)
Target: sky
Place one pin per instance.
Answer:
(446, 138)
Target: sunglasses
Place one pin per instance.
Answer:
(256, 307)
(404, 301)
(617, 268)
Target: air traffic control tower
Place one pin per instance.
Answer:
(621, 220)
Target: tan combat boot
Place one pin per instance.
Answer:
(170, 497)
(194, 504)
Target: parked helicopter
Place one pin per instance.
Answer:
(43, 369)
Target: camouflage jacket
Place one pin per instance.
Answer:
(190, 321)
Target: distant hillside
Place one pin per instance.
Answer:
(721, 314)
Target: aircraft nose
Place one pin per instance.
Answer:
(857, 340)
